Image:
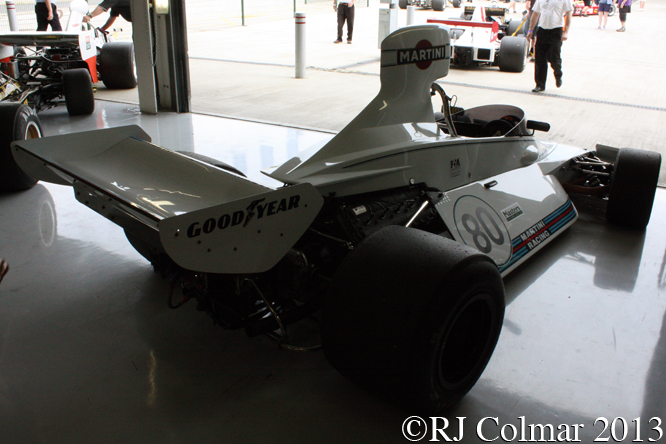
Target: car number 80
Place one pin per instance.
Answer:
(482, 228)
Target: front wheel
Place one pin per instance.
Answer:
(632, 188)
(413, 317)
(17, 122)
(78, 89)
(438, 5)
(455, 3)
(402, 4)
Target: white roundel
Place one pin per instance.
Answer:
(482, 228)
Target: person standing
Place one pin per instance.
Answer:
(345, 10)
(550, 21)
(47, 14)
(604, 9)
(117, 7)
(625, 7)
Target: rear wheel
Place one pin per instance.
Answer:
(513, 54)
(438, 5)
(78, 89)
(17, 122)
(455, 3)
(413, 317)
(514, 27)
(612, 11)
(402, 4)
(633, 186)
(116, 65)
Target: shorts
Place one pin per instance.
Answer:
(604, 7)
(623, 12)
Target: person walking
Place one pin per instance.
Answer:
(46, 12)
(345, 10)
(116, 7)
(604, 9)
(625, 7)
(550, 22)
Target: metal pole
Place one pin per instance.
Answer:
(410, 14)
(11, 15)
(300, 44)
(242, 13)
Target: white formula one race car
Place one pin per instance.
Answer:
(484, 36)
(436, 5)
(395, 234)
(43, 69)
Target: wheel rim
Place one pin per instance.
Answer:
(32, 131)
(462, 348)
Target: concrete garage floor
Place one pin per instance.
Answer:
(90, 353)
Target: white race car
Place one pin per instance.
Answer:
(42, 69)
(396, 233)
(436, 5)
(485, 36)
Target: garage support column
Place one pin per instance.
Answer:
(172, 62)
(160, 41)
(143, 51)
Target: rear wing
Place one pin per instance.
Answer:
(206, 219)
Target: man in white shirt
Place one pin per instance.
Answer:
(550, 22)
(345, 10)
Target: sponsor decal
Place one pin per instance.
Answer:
(535, 235)
(259, 208)
(512, 212)
(359, 210)
(88, 45)
(455, 167)
(423, 55)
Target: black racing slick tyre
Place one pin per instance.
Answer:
(455, 3)
(413, 317)
(513, 54)
(116, 65)
(17, 122)
(633, 186)
(78, 89)
(402, 4)
(438, 5)
(515, 28)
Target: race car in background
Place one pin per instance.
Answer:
(43, 69)
(436, 5)
(395, 234)
(484, 35)
(581, 10)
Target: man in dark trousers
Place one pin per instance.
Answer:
(550, 22)
(47, 14)
(345, 10)
(117, 7)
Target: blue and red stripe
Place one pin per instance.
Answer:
(553, 223)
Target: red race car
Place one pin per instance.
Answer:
(582, 10)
